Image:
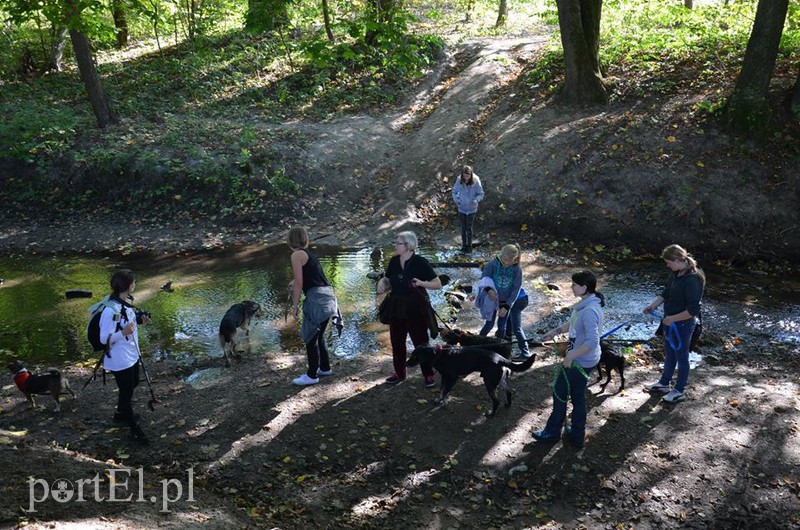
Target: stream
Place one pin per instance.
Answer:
(39, 324)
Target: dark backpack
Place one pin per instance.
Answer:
(93, 328)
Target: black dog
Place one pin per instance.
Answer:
(452, 362)
(238, 316)
(457, 337)
(49, 383)
(612, 359)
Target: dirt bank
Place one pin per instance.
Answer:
(639, 173)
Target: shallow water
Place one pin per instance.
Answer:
(38, 324)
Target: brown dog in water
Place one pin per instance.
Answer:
(237, 317)
(48, 383)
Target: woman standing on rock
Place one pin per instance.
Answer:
(408, 277)
(319, 306)
(467, 193)
(681, 298)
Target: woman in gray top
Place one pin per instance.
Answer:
(467, 193)
(583, 354)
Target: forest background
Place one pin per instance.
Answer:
(624, 129)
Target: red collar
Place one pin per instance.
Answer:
(20, 378)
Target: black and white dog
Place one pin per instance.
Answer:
(237, 317)
(47, 383)
(452, 362)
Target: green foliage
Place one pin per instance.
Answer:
(644, 43)
(39, 127)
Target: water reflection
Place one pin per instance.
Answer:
(39, 324)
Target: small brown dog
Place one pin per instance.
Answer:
(49, 383)
(238, 316)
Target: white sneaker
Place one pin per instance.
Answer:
(324, 373)
(657, 387)
(304, 380)
(674, 396)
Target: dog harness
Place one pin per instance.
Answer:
(21, 379)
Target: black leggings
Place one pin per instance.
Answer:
(317, 352)
(127, 380)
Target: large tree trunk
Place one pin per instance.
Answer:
(119, 12)
(502, 14)
(326, 16)
(748, 107)
(59, 36)
(579, 21)
(97, 96)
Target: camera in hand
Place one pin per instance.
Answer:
(141, 314)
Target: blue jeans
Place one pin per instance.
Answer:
(515, 316)
(679, 357)
(467, 220)
(577, 394)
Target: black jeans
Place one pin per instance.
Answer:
(317, 352)
(127, 380)
(467, 220)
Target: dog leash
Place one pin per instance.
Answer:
(672, 334)
(563, 370)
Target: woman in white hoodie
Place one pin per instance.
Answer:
(582, 356)
(467, 193)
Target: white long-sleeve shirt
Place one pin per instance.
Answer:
(124, 352)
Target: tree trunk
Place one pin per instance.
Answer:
(748, 107)
(97, 96)
(502, 14)
(688, 4)
(59, 36)
(118, 10)
(326, 15)
(579, 21)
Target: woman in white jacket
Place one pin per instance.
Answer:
(467, 193)
(118, 330)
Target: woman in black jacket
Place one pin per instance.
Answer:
(681, 298)
(408, 277)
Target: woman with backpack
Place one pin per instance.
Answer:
(681, 298)
(118, 331)
(467, 193)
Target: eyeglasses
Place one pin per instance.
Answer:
(400, 243)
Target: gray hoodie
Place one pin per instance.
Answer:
(467, 197)
(585, 323)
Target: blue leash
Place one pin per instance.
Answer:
(607, 333)
(672, 335)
